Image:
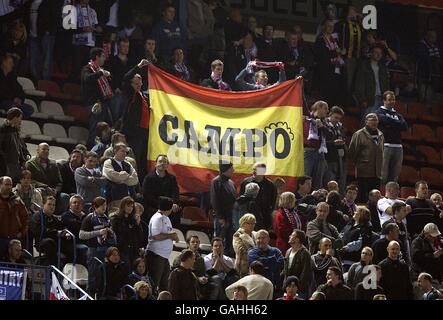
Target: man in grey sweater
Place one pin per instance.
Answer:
(88, 179)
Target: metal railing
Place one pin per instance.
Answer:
(38, 280)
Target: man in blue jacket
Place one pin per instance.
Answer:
(391, 123)
(270, 257)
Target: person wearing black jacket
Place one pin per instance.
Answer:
(13, 150)
(67, 170)
(266, 196)
(96, 89)
(119, 65)
(297, 57)
(359, 232)
(116, 276)
(128, 230)
(391, 123)
(336, 145)
(11, 93)
(298, 263)
(334, 289)
(160, 183)
(135, 121)
(395, 277)
(247, 203)
(45, 225)
(426, 255)
(45, 20)
(72, 220)
(183, 284)
(223, 195)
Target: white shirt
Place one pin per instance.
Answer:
(259, 288)
(382, 205)
(209, 262)
(160, 224)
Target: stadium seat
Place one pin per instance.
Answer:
(79, 134)
(400, 107)
(434, 115)
(55, 110)
(205, 243)
(408, 175)
(78, 112)
(32, 148)
(432, 176)
(423, 132)
(73, 90)
(416, 109)
(439, 133)
(406, 192)
(431, 155)
(58, 133)
(181, 244)
(37, 114)
(351, 124)
(52, 89)
(31, 130)
(29, 88)
(58, 153)
(408, 136)
(77, 273)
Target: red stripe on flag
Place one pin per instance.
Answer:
(192, 179)
(285, 94)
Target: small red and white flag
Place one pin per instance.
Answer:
(57, 292)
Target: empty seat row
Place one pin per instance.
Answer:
(411, 175)
(49, 110)
(53, 132)
(48, 88)
(422, 132)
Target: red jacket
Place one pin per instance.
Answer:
(283, 229)
(13, 217)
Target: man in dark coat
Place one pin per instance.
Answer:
(160, 183)
(183, 284)
(395, 279)
(223, 196)
(267, 194)
(13, 151)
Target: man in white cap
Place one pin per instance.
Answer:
(427, 252)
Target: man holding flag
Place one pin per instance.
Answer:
(260, 77)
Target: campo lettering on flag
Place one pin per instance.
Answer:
(197, 127)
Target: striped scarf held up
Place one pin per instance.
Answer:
(103, 83)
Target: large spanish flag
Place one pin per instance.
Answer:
(197, 127)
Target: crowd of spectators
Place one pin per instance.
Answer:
(316, 242)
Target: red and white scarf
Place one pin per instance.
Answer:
(331, 43)
(293, 218)
(264, 65)
(219, 80)
(103, 83)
